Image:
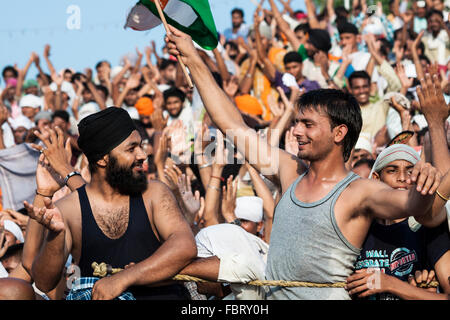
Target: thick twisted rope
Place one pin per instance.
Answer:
(102, 270)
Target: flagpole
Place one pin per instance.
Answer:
(183, 66)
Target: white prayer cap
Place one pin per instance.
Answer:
(249, 208)
(30, 100)
(364, 143)
(21, 121)
(14, 229)
(87, 109)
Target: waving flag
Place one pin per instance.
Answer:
(193, 17)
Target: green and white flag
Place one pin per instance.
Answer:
(193, 17)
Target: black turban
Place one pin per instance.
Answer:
(347, 27)
(101, 132)
(320, 39)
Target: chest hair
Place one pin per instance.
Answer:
(113, 222)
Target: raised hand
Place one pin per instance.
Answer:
(290, 142)
(49, 216)
(133, 81)
(431, 98)
(56, 151)
(426, 177)
(191, 200)
(229, 193)
(47, 51)
(159, 122)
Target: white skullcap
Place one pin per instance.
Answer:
(420, 120)
(249, 208)
(87, 109)
(30, 100)
(364, 143)
(395, 152)
(21, 121)
(14, 229)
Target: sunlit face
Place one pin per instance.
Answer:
(396, 174)
(348, 39)
(360, 89)
(314, 135)
(435, 23)
(301, 36)
(236, 20)
(294, 68)
(174, 105)
(125, 168)
(58, 122)
(169, 73)
(359, 154)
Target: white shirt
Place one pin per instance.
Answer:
(243, 257)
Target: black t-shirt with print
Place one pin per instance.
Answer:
(399, 251)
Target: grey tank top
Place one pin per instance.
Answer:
(307, 245)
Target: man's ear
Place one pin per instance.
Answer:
(340, 132)
(376, 176)
(103, 161)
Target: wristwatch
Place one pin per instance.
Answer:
(236, 221)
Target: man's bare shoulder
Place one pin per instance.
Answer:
(155, 189)
(68, 204)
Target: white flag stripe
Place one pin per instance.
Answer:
(140, 18)
(180, 12)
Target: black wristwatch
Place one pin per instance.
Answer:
(236, 221)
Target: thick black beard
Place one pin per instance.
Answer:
(124, 180)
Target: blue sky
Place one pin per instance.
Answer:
(27, 25)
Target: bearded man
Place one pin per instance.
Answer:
(118, 218)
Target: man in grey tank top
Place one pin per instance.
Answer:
(325, 211)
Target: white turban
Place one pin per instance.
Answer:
(14, 229)
(249, 208)
(393, 153)
(30, 100)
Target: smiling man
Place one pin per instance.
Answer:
(325, 211)
(118, 218)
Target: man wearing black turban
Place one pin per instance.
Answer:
(118, 218)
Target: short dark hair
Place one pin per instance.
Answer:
(174, 92)
(239, 11)
(302, 27)
(292, 56)
(434, 11)
(98, 65)
(11, 69)
(358, 75)
(103, 89)
(165, 63)
(368, 162)
(63, 114)
(341, 108)
(15, 249)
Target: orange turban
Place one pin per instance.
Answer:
(144, 106)
(249, 104)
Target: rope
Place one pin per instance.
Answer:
(102, 270)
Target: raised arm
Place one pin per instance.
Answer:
(420, 201)
(47, 59)
(226, 115)
(268, 67)
(284, 26)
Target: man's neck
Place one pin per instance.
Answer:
(100, 186)
(330, 169)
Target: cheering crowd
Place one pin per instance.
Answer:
(314, 146)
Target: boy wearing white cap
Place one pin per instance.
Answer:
(401, 248)
(30, 105)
